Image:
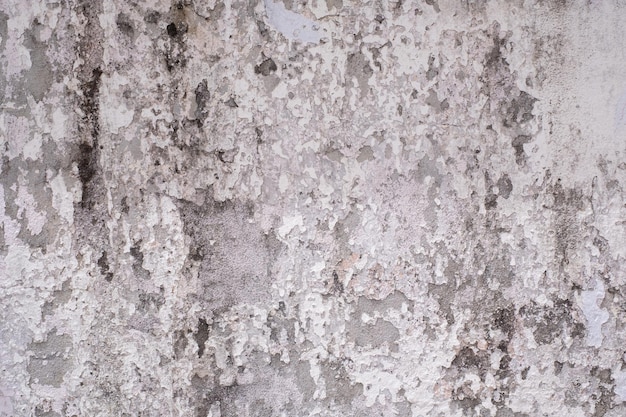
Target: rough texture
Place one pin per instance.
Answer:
(312, 208)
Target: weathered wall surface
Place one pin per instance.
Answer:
(312, 208)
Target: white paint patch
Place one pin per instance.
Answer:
(62, 199)
(620, 384)
(289, 222)
(58, 124)
(595, 315)
(294, 26)
(32, 148)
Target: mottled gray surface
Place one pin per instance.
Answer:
(312, 208)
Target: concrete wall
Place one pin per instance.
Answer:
(312, 208)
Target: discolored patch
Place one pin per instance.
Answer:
(234, 256)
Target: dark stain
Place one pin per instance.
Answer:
(266, 67)
(90, 103)
(512, 106)
(226, 157)
(505, 186)
(233, 254)
(524, 373)
(558, 367)
(197, 253)
(124, 205)
(4, 29)
(138, 268)
(358, 66)
(467, 359)
(601, 243)
(103, 263)
(434, 4)
(125, 25)
(518, 144)
(603, 374)
(504, 320)
(337, 286)
(432, 70)
(519, 110)
(433, 101)
(40, 76)
(231, 103)
(507, 412)
(180, 343)
(152, 17)
(202, 102)
(87, 168)
(338, 383)
(491, 201)
(549, 323)
(201, 335)
(491, 198)
(465, 398)
(259, 135)
(567, 202)
(504, 365)
(605, 403)
(172, 30)
(494, 57)
(176, 48)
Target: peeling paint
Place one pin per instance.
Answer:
(329, 208)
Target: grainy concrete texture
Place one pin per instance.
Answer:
(313, 208)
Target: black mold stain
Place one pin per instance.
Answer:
(172, 30)
(125, 206)
(504, 320)
(548, 323)
(201, 335)
(88, 151)
(103, 263)
(87, 168)
(337, 286)
(90, 104)
(176, 29)
(266, 67)
(202, 102)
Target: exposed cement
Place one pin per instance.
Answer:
(312, 208)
